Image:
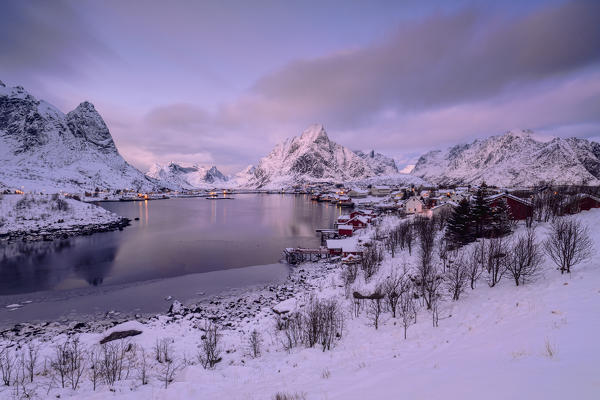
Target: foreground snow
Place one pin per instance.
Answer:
(28, 214)
(491, 344)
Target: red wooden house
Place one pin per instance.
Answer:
(345, 230)
(582, 202)
(519, 208)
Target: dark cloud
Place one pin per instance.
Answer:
(47, 38)
(444, 59)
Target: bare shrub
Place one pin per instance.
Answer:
(162, 350)
(167, 371)
(60, 362)
(407, 310)
(7, 365)
(568, 243)
(428, 278)
(473, 262)
(550, 350)
(60, 205)
(371, 259)
(495, 260)
(374, 311)
(114, 360)
(95, 366)
(393, 287)
(142, 367)
(525, 258)
(31, 358)
(321, 322)
(76, 362)
(456, 277)
(209, 353)
(255, 343)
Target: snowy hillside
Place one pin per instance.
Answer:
(43, 149)
(533, 341)
(179, 175)
(379, 163)
(513, 159)
(313, 157)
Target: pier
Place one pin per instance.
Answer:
(294, 255)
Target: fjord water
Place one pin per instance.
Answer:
(197, 245)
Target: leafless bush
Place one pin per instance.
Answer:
(60, 362)
(525, 257)
(374, 307)
(209, 353)
(163, 349)
(76, 362)
(393, 287)
(456, 277)
(60, 205)
(321, 322)
(407, 310)
(31, 358)
(496, 260)
(428, 278)
(95, 366)
(167, 371)
(142, 367)
(7, 365)
(371, 259)
(115, 361)
(474, 262)
(568, 243)
(349, 274)
(255, 343)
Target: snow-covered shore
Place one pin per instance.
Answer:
(532, 341)
(45, 217)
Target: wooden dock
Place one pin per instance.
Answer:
(294, 255)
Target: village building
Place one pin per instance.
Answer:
(519, 209)
(440, 209)
(581, 202)
(380, 191)
(357, 193)
(344, 247)
(345, 230)
(414, 205)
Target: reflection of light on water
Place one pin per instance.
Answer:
(146, 209)
(213, 212)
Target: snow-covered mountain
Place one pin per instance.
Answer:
(379, 163)
(41, 148)
(179, 175)
(310, 157)
(514, 159)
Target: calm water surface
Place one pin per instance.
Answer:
(172, 238)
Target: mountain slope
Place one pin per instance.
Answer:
(43, 149)
(379, 163)
(176, 175)
(310, 157)
(513, 159)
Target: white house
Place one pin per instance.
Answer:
(414, 205)
(380, 190)
(441, 208)
(357, 193)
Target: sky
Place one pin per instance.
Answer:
(221, 82)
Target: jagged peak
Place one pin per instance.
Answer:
(314, 133)
(85, 106)
(2, 84)
(519, 133)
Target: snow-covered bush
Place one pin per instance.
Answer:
(568, 243)
(209, 353)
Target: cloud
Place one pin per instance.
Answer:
(46, 38)
(441, 60)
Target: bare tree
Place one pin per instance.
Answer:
(456, 277)
(255, 343)
(407, 310)
(76, 362)
(371, 258)
(143, 367)
(496, 260)
(525, 257)
(60, 362)
(393, 287)
(114, 361)
(568, 243)
(31, 359)
(167, 371)
(210, 350)
(95, 366)
(374, 311)
(162, 349)
(7, 365)
(428, 276)
(473, 262)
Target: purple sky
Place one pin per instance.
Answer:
(221, 82)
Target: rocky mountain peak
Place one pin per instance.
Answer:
(314, 134)
(85, 122)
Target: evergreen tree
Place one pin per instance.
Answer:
(500, 219)
(459, 229)
(480, 212)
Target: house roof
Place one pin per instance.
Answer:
(347, 245)
(509, 196)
